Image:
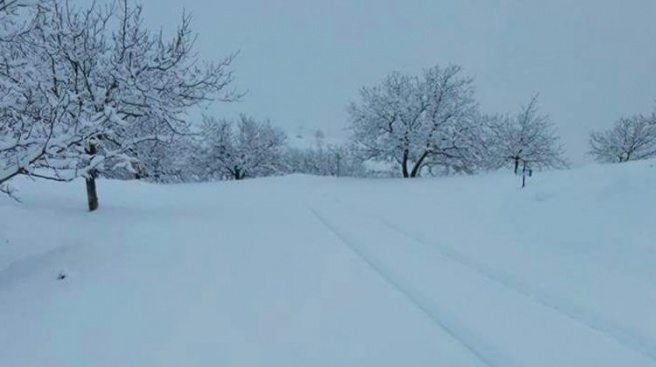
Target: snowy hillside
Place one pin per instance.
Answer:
(308, 271)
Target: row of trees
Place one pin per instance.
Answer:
(432, 123)
(239, 149)
(93, 93)
(428, 124)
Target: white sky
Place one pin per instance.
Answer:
(301, 61)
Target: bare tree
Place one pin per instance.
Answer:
(631, 138)
(94, 84)
(527, 139)
(241, 149)
(416, 121)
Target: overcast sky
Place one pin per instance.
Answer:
(301, 61)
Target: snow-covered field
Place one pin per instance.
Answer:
(308, 271)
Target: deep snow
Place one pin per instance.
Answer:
(308, 271)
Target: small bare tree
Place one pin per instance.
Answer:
(527, 139)
(241, 149)
(631, 138)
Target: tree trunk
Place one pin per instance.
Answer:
(417, 168)
(516, 164)
(92, 195)
(238, 173)
(404, 164)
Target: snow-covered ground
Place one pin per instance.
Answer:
(308, 271)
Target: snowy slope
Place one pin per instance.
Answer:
(306, 271)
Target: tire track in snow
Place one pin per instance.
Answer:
(615, 332)
(473, 345)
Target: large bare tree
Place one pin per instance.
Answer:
(88, 85)
(416, 121)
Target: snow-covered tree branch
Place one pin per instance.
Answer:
(82, 88)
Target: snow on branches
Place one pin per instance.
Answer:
(527, 139)
(630, 138)
(241, 149)
(81, 88)
(416, 121)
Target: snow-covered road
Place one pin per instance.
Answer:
(501, 322)
(303, 271)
